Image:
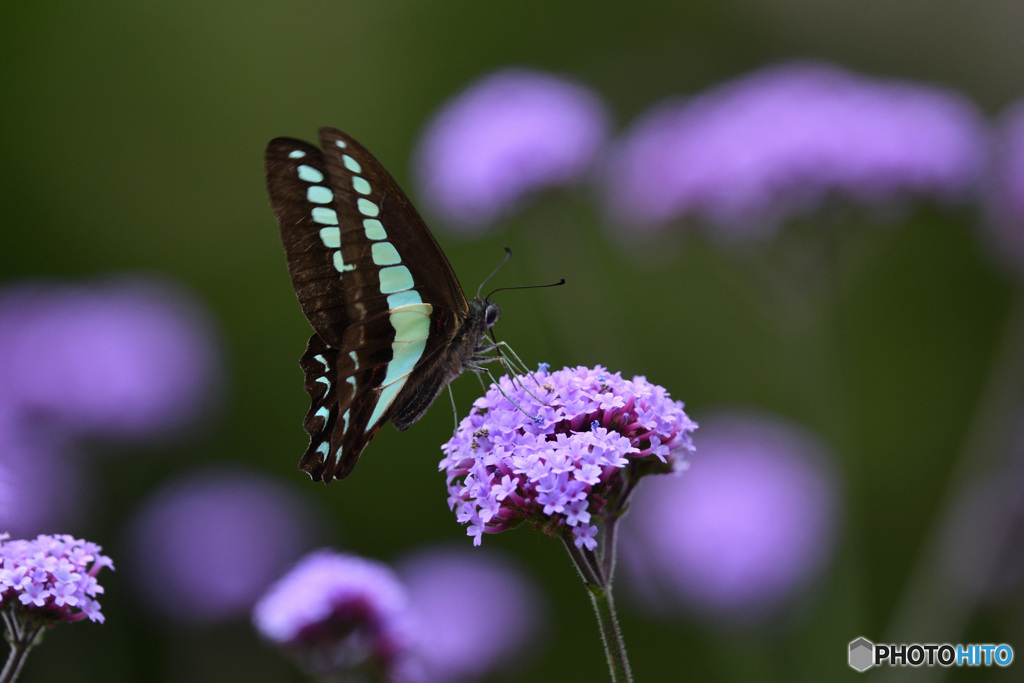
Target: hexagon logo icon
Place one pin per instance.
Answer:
(862, 654)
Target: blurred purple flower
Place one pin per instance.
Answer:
(126, 357)
(206, 546)
(550, 449)
(507, 135)
(41, 486)
(473, 613)
(1005, 198)
(753, 521)
(339, 614)
(779, 142)
(51, 578)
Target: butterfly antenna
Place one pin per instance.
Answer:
(510, 361)
(508, 257)
(518, 367)
(503, 289)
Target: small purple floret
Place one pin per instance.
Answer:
(503, 467)
(52, 578)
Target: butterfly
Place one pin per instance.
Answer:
(391, 324)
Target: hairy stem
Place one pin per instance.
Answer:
(22, 637)
(597, 580)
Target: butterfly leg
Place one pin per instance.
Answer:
(515, 362)
(515, 367)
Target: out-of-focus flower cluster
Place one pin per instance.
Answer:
(443, 617)
(750, 526)
(780, 142)
(338, 612)
(549, 448)
(736, 160)
(51, 578)
(128, 358)
(133, 359)
(506, 136)
(473, 612)
(186, 542)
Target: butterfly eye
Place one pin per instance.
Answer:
(491, 314)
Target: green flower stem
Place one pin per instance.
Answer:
(586, 563)
(22, 638)
(598, 584)
(611, 635)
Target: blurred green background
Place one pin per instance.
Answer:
(132, 139)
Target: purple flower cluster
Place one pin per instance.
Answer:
(185, 544)
(123, 358)
(52, 578)
(509, 134)
(433, 621)
(128, 357)
(338, 612)
(781, 141)
(550, 448)
(474, 612)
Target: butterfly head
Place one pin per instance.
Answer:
(485, 312)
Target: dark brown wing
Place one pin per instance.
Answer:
(375, 286)
(432, 273)
(294, 168)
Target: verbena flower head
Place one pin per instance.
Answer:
(337, 613)
(1005, 198)
(560, 449)
(51, 578)
(780, 142)
(474, 613)
(503, 137)
(126, 357)
(206, 546)
(751, 524)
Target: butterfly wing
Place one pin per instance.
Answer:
(375, 286)
(298, 186)
(400, 223)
